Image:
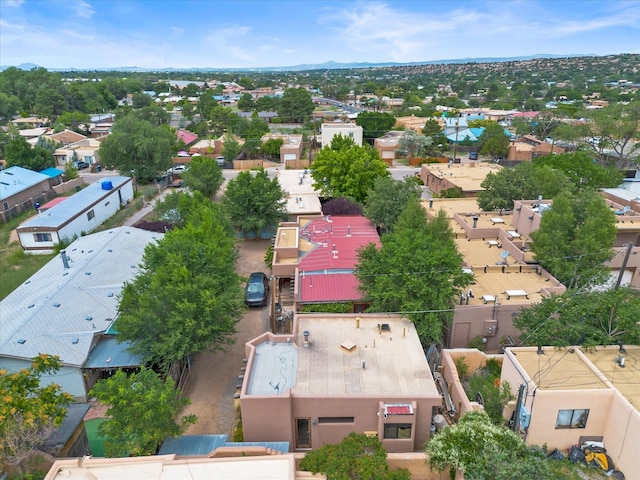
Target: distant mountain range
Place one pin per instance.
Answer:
(330, 65)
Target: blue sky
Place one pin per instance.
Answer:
(249, 34)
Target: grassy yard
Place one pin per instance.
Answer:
(16, 267)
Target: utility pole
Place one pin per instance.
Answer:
(455, 145)
(624, 263)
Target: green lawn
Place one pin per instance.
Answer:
(16, 267)
(96, 443)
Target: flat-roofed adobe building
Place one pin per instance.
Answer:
(337, 374)
(527, 215)
(468, 177)
(348, 130)
(573, 392)
(506, 277)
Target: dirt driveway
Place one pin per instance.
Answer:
(214, 376)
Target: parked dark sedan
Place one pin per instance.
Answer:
(257, 290)
(82, 165)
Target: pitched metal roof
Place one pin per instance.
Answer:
(60, 310)
(76, 204)
(108, 353)
(326, 271)
(329, 287)
(52, 172)
(16, 179)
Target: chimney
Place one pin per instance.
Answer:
(475, 221)
(65, 259)
(306, 334)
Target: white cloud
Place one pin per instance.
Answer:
(82, 9)
(176, 31)
(13, 3)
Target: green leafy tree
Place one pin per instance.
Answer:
(74, 120)
(246, 103)
(206, 105)
(545, 123)
(267, 104)
(203, 175)
(375, 124)
(296, 105)
(253, 201)
(136, 147)
(433, 130)
(70, 171)
(591, 318)
(9, 106)
(494, 141)
(139, 100)
(418, 270)
(272, 147)
(413, 143)
(482, 450)
(581, 170)
(222, 120)
(356, 457)
(29, 410)
(231, 148)
(142, 412)
(348, 172)
(388, 198)
(154, 114)
(187, 298)
(19, 153)
(616, 127)
(575, 238)
(526, 181)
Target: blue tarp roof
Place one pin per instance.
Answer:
(52, 172)
(192, 445)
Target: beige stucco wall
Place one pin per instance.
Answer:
(611, 416)
(622, 435)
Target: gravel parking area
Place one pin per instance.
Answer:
(214, 376)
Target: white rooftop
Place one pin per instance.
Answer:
(61, 213)
(59, 310)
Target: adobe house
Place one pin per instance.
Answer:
(337, 374)
(466, 176)
(573, 393)
(349, 130)
(314, 259)
(505, 279)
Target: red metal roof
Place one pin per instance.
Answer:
(328, 287)
(186, 136)
(52, 203)
(334, 256)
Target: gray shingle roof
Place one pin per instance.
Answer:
(59, 311)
